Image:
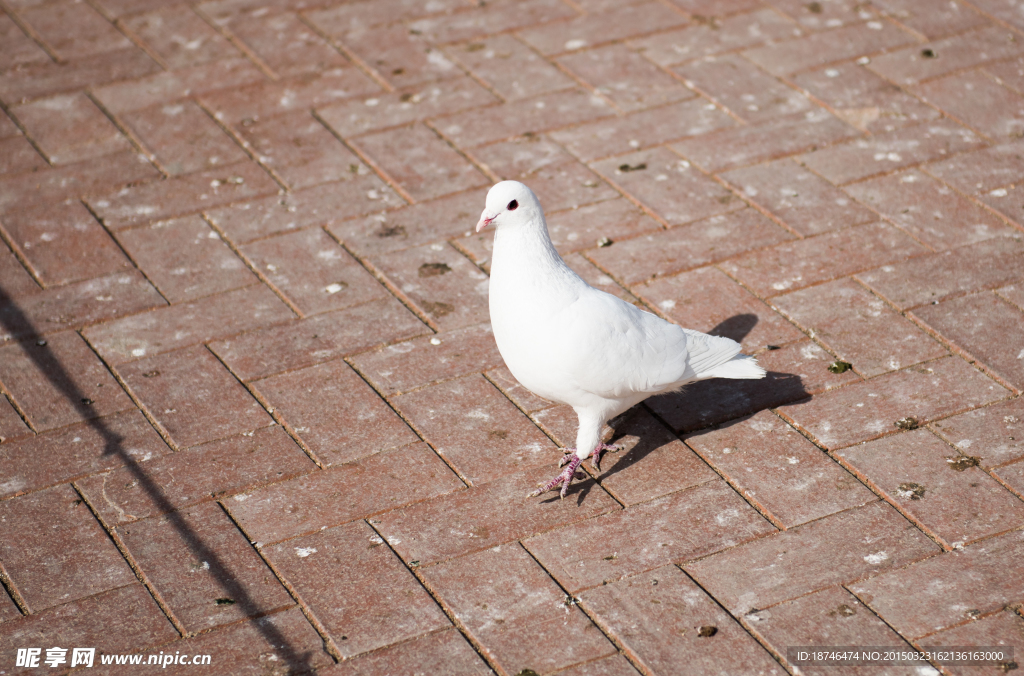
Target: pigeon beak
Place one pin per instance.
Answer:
(485, 220)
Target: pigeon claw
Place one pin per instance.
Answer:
(601, 449)
(565, 478)
(596, 455)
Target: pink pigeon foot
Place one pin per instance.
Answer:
(596, 455)
(565, 478)
(599, 450)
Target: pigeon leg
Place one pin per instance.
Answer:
(601, 448)
(569, 452)
(565, 478)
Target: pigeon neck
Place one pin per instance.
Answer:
(529, 242)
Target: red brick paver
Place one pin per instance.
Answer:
(504, 599)
(251, 405)
(832, 616)
(943, 595)
(665, 623)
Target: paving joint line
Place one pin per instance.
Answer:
(339, 47)
(877, 490)
(129, 133)
(394, 290)
(13, 592)
(161, 432)
(4, 392)
(387, 284)
(255, 269)
(437, 599)
(765, 513)
(6, 238)
(767, 299)
(483, 168)
(606, 630)
(277, 418)
(601, 44)
(628, 196)
(471, 74)
(701, 93)
(822, 103)
(32, 34)
(493, 33)
(990, 470)
(973, 197)
(815, 338)
(623, 194)
(122, 548)
(877, 615)
(947, 115)
(888, 220)
(961, 352)
(893, 18)
(458, 245)
(751, 204)
(312, 474)
(739, 619)
(992, 17)
(904, 86)
(5, 109)
(128, 256)
(590, 89)
(915, 366)
(258, 159)
(764, 212)
(486, 375)
(235, 42)
(244, 145)
(330, 647)
(1014, 304)
(302, 605)
(572, 599)
(136, 41)
(870, 55)
(422, 437)
(375, 167)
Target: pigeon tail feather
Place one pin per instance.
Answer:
(707, 353)
(740, 367)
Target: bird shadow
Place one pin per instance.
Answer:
(707, 403)
(638, 423)
(736, 327)
(16, 322)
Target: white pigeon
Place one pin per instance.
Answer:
(573, 344)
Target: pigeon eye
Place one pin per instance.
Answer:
(512, 205)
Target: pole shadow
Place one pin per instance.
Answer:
(14, 320)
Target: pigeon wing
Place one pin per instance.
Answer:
(610, 348)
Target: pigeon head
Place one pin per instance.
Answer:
(509, 203)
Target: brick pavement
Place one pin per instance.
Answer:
(251, 406)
